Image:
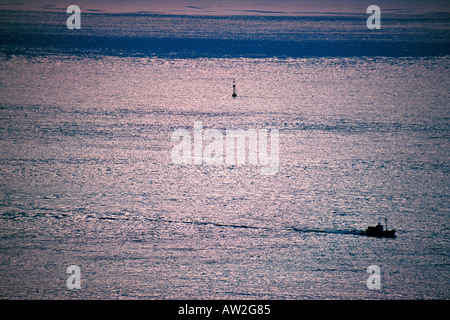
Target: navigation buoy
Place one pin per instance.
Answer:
(234, 95)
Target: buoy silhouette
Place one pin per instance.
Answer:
(234, 95)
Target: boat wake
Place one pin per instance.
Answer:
(244, 226)
(325, 231)
(296, 229)
(209, 223)
(332, 231)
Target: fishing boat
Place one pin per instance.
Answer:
(379, 231)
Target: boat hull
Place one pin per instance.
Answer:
(375, 232)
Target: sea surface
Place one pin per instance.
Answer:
(86, 176)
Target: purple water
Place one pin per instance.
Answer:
(87, 178)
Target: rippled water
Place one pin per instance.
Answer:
(87, 177)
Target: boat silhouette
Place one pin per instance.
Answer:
(379, 231)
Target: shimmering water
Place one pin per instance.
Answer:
(87, 177)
